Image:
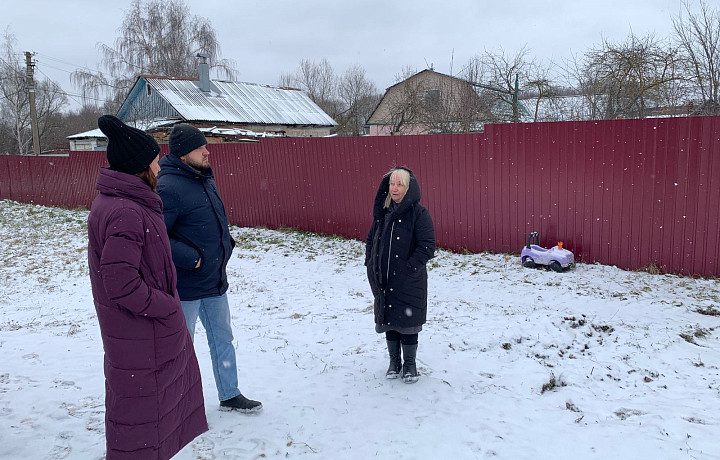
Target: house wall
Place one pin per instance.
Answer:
(146, 104)
(397, 94)
(409, 130)
(88, 144)
(410, 97)
(630, 193)
(290, 131)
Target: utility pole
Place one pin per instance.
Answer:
(516, 109)
(33, 111)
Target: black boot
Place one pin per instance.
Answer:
(409, 370)
(393, 371)
(242, 404)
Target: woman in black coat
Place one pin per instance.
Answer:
(400, 242)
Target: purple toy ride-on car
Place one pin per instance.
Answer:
(556, 258)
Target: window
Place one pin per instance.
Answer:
(431, 98)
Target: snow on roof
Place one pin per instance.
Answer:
(152, 124)
(239, 102)
(235, 132)
(145, 125)
(93, 133)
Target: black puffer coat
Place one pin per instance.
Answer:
(396, 251)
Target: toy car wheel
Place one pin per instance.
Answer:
(555, 266)
(528, 262)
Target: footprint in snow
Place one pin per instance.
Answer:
(31, 357)
(62, 448)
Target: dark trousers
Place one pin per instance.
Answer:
(405, 339)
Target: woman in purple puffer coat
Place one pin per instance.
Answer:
(153, 393)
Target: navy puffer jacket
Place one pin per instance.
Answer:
(197, 224)
(397, 249)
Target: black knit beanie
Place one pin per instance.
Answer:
(129, 149)
(184, 139)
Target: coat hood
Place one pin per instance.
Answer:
(172, 165)
(131, 187)
(412, 196)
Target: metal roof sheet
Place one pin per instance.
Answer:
(239, 102)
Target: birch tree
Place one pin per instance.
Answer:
(157, 37)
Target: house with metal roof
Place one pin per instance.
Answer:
(158, 103)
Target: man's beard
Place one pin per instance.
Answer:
(198, 166)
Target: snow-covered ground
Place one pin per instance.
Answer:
(594, 363)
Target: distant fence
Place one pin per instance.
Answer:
(631, 193)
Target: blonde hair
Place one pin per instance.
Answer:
(404, 176)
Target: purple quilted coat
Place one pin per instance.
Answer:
(153, 393)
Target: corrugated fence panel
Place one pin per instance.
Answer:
(631, 193)
(706, 258)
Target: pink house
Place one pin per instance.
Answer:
(427, 103)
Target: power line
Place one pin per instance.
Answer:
(73, 95)
(78, 98)
(56, 68)
(65, 62)
(17, 63)
(75, 67)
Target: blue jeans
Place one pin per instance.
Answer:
(214, 314)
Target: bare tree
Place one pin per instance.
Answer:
(157, 37)
(348, 99)
(50, 101)
(544, 95)
(15, 105)
(14, 102)
(698, 36)
(318, 81)
(71, 122)
(627, 79)
(359, 97)
(496, 74)
(587, 103)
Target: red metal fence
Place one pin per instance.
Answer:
(631, 193)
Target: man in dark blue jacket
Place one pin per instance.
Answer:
(201, 247)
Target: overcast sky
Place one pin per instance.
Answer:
(266, 38)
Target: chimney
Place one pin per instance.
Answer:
(204, 71)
